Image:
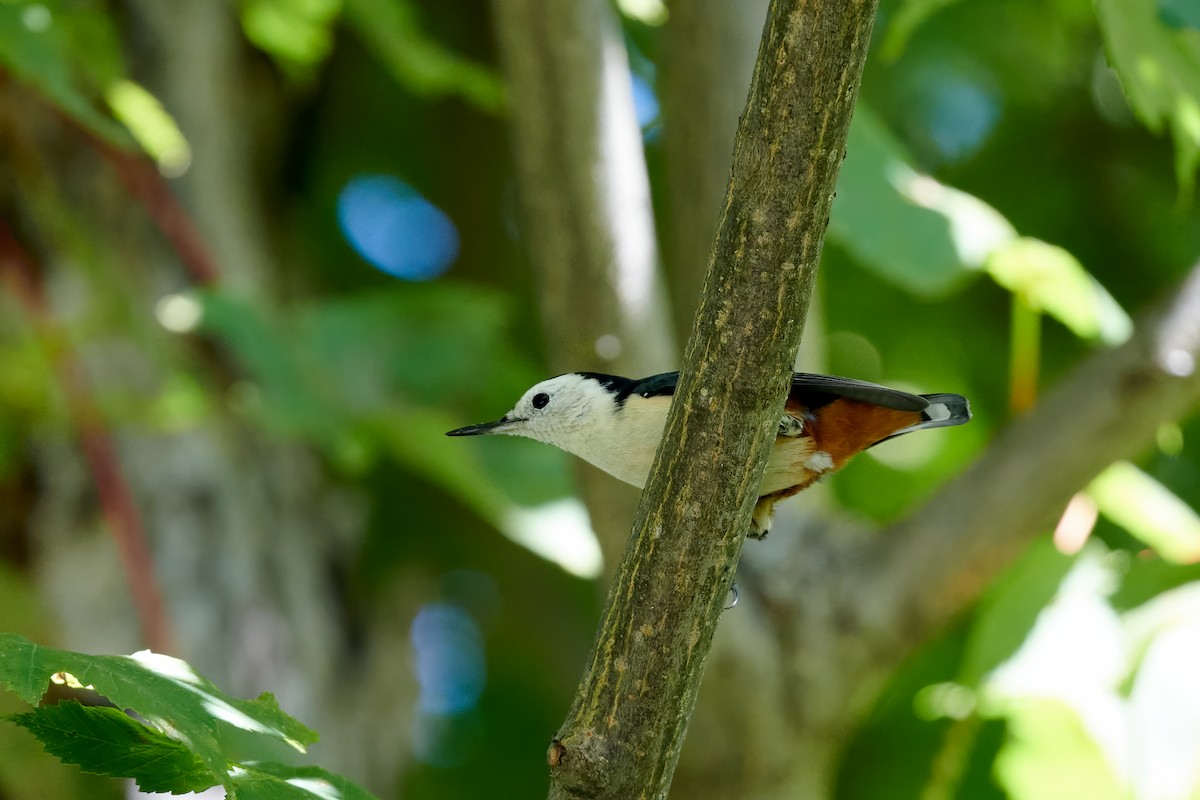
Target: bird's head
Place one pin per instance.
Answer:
(560, 411)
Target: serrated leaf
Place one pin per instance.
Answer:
(1052, 280)
(270, 781)
(105, 741)
(164, 691)
(1159, 68)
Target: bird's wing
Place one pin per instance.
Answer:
(655, 385)
(809, 389)
(623, 388)
(813, 391)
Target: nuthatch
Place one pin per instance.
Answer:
(616, 424)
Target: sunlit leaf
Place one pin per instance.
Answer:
(1146, 578)
(185, 739)
(927, 237)
(164, 691)
(648, 12)
(906, 227)
(1052, 280)
(1164, 706)
(1160, 70)
(107, 741)
(1059, 692)
(154, 129)
(1151, 512)
(1050, 756)
(298, 34)
(270, 781)
(1010, 607)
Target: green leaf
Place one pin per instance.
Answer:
(412, 342)
(298, 34)
(906, 227)
(164, 691)
(375, 374)
(270, 781)
(180, 748)
(1151, 512)
(279, 393)
(1146, 578)
(1050, 756)
(1052, 280)
(47, 46)
(154, 129)
(905, 20)
(392, 30)
(1010, 607)
(1180, 13)
(928, 237)
(106, 741)
(1160, 70)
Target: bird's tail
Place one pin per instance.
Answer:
(943, 411)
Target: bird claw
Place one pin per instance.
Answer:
(790, 426)
(732, 599)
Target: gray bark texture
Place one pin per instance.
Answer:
(585, 209)
(623, 734)
(707, 60)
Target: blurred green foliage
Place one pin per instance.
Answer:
(1004, 155)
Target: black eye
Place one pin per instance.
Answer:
(540, 400)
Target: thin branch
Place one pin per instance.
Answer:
(142, 180)
(116, 500)
(932, 565)
(625, 729)
(708, 51)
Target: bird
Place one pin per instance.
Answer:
(616, 423)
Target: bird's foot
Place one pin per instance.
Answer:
(790, 426)
(760, 520)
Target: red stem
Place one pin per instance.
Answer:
(144, 183)
(120, 512)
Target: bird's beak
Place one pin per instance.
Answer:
(484, 428)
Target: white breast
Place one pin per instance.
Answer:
(624, 444)
(792, 461)
(624, 447)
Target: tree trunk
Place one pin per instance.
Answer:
(585, 209)
(624, 732)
